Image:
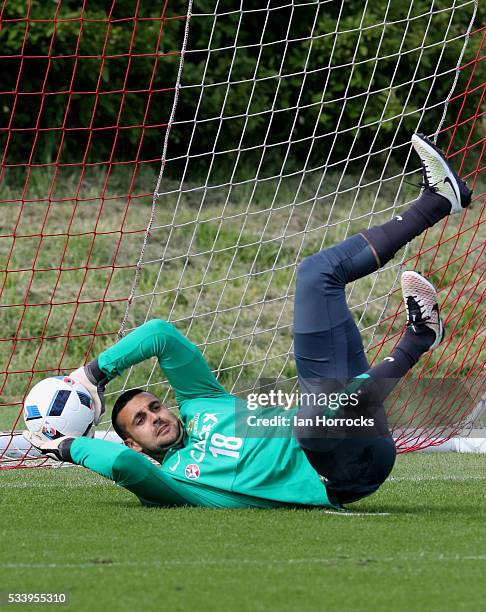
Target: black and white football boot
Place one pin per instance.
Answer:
(438, 176)
(421, 304)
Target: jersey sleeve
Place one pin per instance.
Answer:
(130, 470)
(149, 482)
(181, 361)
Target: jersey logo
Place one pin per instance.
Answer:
(192, 471)
(173, 468)
(190, 426)
(208, 422)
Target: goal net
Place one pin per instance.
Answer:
(178, 160)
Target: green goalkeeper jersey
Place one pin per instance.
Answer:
(220, 463)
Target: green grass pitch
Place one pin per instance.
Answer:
(70, 530)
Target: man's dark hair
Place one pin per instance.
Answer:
(120, 403)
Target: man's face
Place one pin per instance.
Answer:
(149, 425)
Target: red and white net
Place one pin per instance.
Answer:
(267, 132)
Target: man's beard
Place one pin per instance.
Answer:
(178, 439)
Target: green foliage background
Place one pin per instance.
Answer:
(390, 38)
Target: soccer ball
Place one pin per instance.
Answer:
(58, 406)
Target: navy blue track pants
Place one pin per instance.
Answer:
(328, 348)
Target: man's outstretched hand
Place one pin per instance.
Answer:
(58, 449)
(94, 381)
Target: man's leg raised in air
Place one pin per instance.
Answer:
(327, 344)
(357, 458)
(444, 194)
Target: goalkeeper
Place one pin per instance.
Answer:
(202, 460)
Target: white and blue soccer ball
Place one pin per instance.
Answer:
(58, 406)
